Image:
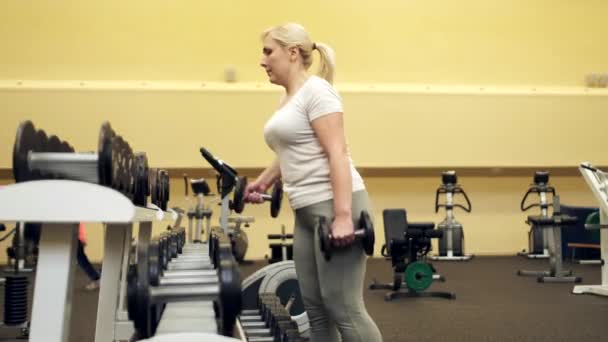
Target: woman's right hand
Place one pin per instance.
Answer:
(253, 192)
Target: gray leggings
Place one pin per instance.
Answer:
(332, 291)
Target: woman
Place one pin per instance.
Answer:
(307, 135)
(84, 262)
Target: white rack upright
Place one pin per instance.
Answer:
(598, 182)
(61, 205)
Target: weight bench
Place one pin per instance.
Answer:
(407, 245)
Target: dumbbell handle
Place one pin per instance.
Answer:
(183, 293)
(201, 280)
(595, 226)
(77, 166)
(358, 233)
(188, 273)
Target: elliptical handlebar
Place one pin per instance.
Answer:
(454, 189)
(536, 189)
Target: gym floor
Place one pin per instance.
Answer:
(492, 304)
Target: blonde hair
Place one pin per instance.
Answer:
(294, 35)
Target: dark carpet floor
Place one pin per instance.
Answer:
(492, 304)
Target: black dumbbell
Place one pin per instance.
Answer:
(143, 297)
(365, 233)
(238, 201)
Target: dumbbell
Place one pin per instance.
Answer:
(114, 165)
(143, 298)
(269, 321)
(238, 201)
(364, 233)
(159, 276)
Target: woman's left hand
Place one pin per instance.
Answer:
(342, 231)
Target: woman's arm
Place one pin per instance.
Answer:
(329, 129)
(269, 175)
(254, 190)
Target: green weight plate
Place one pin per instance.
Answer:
(418, 276)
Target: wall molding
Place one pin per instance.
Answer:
(363, 87)
(389, 172)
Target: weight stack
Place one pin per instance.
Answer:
(15, 300)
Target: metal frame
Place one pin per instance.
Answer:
(61, 205)
(448, 225)
(598, 182)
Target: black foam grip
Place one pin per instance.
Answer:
(279, 236)
(421, 225)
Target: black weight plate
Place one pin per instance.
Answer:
(160, 192)
(144, 315)
(154, 262)
(130, 167)
(104, 152)
(153, 182)
(365, 223)
(238, 200)
(165, 189)
(54, 144)
(230, 301)
(116, 162)
(132, 291)
(24, 142)
(277, 199)
(65, 147)
(40, 145)
(141, 180)
(323, 230)
(168, 188)
(41, 141)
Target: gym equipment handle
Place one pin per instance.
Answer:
(535, 189)
(280, 236)
(455, 190)
(596, 226)
(183, 293)
(217, 164)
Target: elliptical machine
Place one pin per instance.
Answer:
(538, 247)
(451, 244)
(199, 212)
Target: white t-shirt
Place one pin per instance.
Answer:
(303, 162)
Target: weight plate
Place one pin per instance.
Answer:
(24, 142)
(277, 199)
(238, 199)
(418, 276)
(365, 223)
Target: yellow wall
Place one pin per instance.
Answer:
(390, 127)
(470, 41)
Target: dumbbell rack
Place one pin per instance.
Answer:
(598, 183)
(61, 205)
(113, 323)
(271, 321)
